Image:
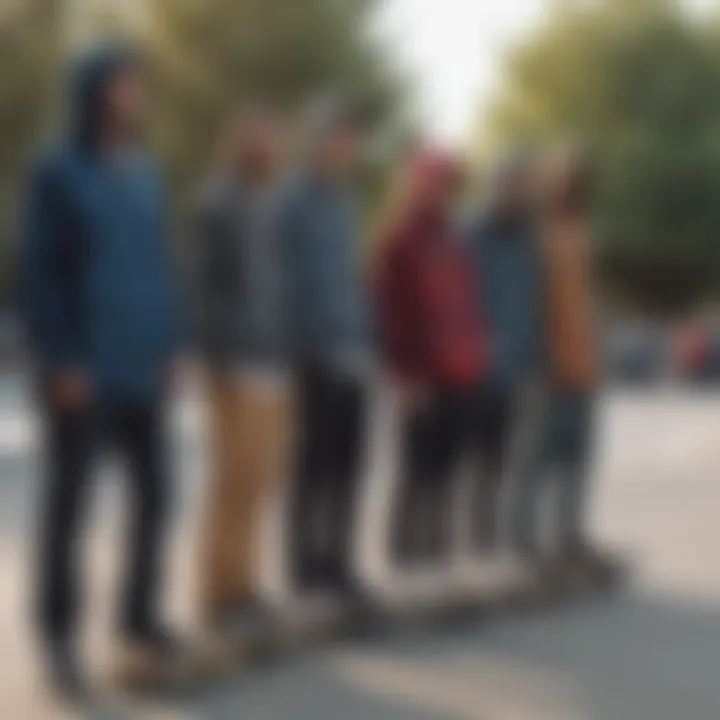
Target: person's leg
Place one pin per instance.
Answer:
(140, 435)
(345, 435)
(70, 442)
(218, 559)
(306, 492)
(578, 557)
(574, 470)
(449, 433)
(491, 435)
(416, 445)
(264, 431)
(69, 446)
(535, 457)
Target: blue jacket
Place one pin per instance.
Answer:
(95, 283)
(507, 260)
(326, 298)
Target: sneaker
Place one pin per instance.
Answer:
(156, 640)
(602, 569)
(357, 602)
(66, 676)
(539, 578)
(154, 659)
(250, 622)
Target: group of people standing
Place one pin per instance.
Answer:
(292, 323)
(484, 326)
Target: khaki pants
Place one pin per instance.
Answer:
(248, 442)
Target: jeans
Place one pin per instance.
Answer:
(331, 424)
(73, 441)
(562, 442)
(456, 423)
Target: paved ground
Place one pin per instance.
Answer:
(652, 653)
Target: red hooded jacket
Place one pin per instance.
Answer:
(425, 291)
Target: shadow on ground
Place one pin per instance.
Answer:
(623, 658)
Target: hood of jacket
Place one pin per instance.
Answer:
(92, 73)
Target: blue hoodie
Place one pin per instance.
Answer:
(96, 287)
(510, 295)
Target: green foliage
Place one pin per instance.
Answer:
(210, 55)
(28, 52)
(640, 83)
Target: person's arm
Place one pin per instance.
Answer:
(50, 262)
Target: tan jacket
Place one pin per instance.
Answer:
(572, 342)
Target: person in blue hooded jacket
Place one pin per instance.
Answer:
(329, 337)
(504, 241)
(102, 320)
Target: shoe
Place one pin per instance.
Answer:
(249, 622)
(582, 568)
(358, 605)
(67, 678)
(537, 576)
(310, 577)
(158, 640)
(153, 659)
(602, 569)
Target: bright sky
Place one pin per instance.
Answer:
(454, 48)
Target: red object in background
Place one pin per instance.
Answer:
(691, 348)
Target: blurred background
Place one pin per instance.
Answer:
(639, 82)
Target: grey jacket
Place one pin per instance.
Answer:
(239, 285)
(328, 310)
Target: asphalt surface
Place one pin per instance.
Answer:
(651, 652)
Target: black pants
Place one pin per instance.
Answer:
(495, 426)
(322, 504)
(73, 443)
(456, 424)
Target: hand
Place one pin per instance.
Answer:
(71, 390)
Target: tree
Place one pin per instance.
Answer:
(28, 50)
(640, 83)
(211, 54)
